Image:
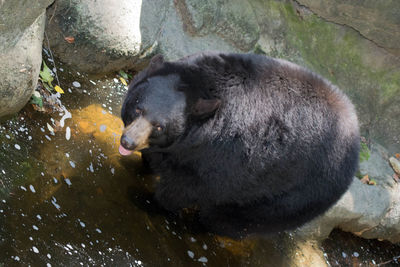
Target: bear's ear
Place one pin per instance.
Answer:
(205, 107)
(156, 61)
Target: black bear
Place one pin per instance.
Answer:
(253, 144)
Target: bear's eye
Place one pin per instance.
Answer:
(138, 111)
(158, 128)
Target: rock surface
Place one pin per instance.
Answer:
(377, 21)
(21, 36)
(365, 210)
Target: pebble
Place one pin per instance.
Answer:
(395, 165)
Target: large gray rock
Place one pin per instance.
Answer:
(365, 210)
(21, 36)
(106, 34)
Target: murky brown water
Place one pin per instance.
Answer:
(67, 198)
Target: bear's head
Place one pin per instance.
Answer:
(155, 109)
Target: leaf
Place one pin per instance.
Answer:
(70, 39)
(58, 89)
(397, 155)
(123, 74)
(365, 179)
(45, 74)
(372, 182)
(47, 87)
(365, 153)
(37, 100)
(123, 81)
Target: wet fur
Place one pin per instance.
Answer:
(280, 149)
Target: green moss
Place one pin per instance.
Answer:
(258, 50)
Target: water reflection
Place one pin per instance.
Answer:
(68, 198)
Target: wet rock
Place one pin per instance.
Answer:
(21, 36)
(365, 210)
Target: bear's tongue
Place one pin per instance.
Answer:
(123, 151)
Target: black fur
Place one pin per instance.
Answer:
(275, 146)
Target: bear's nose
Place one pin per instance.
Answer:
(127, 142)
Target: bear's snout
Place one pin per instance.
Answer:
(136, 135)
(128, 143)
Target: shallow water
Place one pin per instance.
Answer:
(67, 198)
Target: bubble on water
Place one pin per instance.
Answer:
(32, 188)
(54, 202)
(68, 133)
(83, 245)
(48, 256)
(91, 167)
(98, 230)
(47, 137)
(67, 155)
(23, 188)
(344, 255)
(190, 254)
(35, 249)
(67, 115)
(35, 227)
(29, 138)
(17, 147)
(68, 181)
(205, 247)
(82, 224)
(192, 239)
(72, 164)
(8, 137)
(92, 82)
(103, 128)
(112, 170)
(116, 80)
(48, 265)
(16, 258)
(203, 259)
(55, 180)
(3, 171)
(38, 217)
(76, 84)
(355, 254)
